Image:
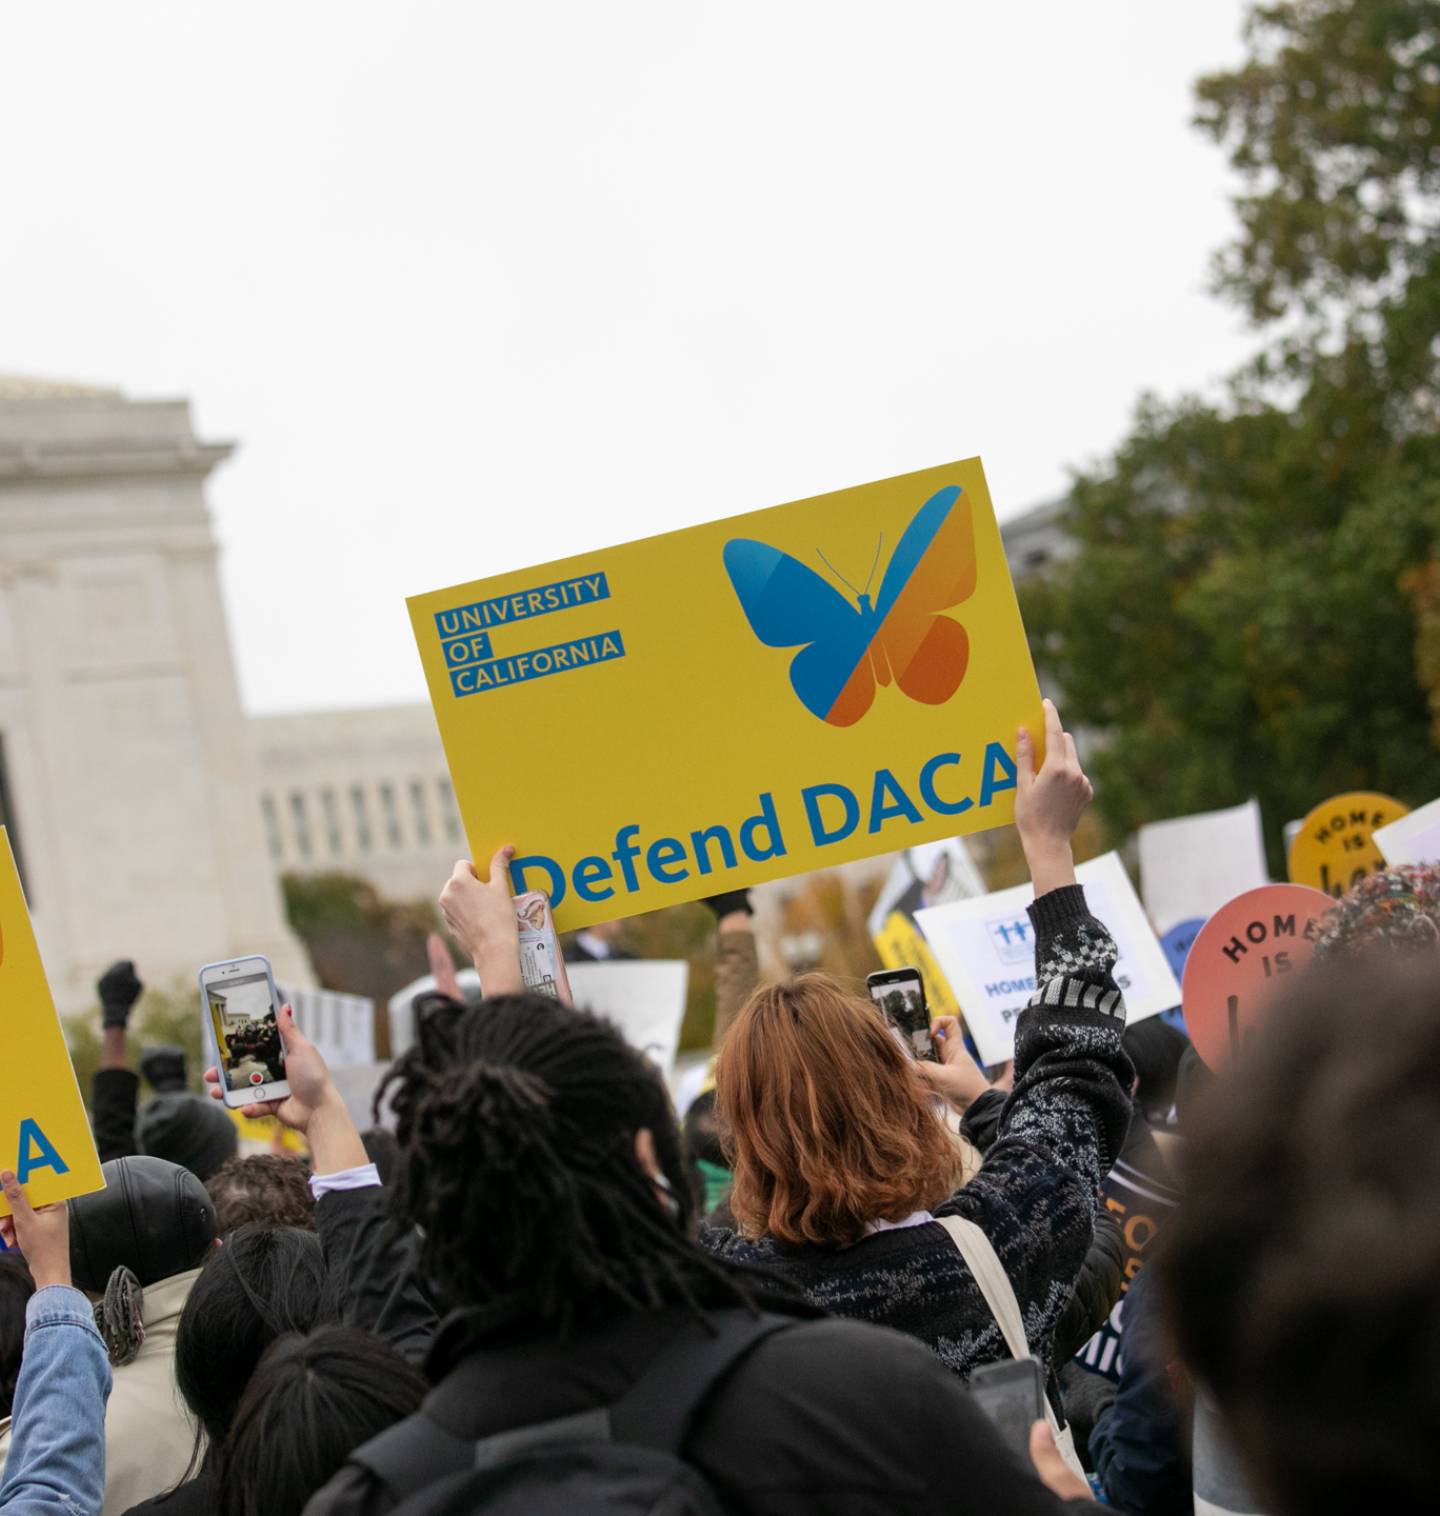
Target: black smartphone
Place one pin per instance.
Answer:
(1012, 1395)
(899, 995)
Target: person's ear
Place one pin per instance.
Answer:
(645, 1154)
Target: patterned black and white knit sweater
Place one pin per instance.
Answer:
(1035, 1194)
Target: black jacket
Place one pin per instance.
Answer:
(832, 1417)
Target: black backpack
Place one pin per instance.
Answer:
(622, 1459)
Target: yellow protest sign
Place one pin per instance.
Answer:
(265, 1132)
(44, 1132)
(1335, 847)
(754, 698)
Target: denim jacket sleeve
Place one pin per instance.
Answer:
(56, 1457)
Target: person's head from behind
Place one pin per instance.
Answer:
(153, 1218)
(261, 1283)
(262, 1189)
(1301, 1270)
(187, 1129)
(16, 1288)
(539, 1156)
(828, 1126)
(310, 1403)
(1155, 1048)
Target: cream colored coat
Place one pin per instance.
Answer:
(149, 1435)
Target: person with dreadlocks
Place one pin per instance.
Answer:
(540, 1161)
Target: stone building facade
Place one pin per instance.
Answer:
(126, 768)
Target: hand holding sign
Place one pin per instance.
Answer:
(1050, 803)
(42, 1235)
(481, 915)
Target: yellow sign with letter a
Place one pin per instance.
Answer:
(44, 1131)
(762, 696)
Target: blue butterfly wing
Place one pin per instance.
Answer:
(788, 605)
(914, 541)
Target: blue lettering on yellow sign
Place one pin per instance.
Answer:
(832, 813)
(562, 658)
(36, 1152)
(480, 616)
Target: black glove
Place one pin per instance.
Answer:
(119, 988)
(730, 901)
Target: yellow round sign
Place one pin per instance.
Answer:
(1335, 847)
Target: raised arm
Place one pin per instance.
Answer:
(371, 1262)
(115, 1087)
(1066, 1119)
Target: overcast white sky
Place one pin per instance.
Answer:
(475, 285)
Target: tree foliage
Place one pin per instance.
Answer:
(1253, 606)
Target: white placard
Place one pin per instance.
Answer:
(1412, 839)
(1191, 866)
(341, 1026)
(986, 949)
(645, 998)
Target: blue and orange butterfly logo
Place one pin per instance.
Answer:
(903, 635)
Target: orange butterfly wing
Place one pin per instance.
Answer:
(926, 652)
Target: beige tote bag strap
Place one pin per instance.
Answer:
(989, 1273)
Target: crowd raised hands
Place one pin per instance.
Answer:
(543, 1308)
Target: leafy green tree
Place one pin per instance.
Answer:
(1253, 605)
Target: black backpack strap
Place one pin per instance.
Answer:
(658, 1409)
(583, 1426)
(414, 1453)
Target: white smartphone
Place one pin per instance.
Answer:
(542, 966)
(241, 1009)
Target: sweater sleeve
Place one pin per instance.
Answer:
(1063, 1124)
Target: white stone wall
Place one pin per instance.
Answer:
(128, 762)
(360, 792)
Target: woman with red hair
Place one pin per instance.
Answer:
(845, 1181)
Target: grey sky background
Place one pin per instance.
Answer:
(479, 285)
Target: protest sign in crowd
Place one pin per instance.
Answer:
(1116, 1220)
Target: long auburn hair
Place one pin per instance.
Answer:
(827, 1126)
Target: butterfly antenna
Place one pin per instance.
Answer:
(843, 580)
(878, 546)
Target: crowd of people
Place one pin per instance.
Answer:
(541, 1292)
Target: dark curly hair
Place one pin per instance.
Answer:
(1300, 1271)
(265, 1189)
(516, 1120)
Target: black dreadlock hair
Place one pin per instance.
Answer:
(516, 1120)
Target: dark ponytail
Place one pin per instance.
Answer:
(516, 1121)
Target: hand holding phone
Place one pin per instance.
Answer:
(899, 995)
(241, 1006)
(1012, 1395)
(314, 1107)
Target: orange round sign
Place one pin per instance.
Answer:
(1335, 846)
(1238, 959)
